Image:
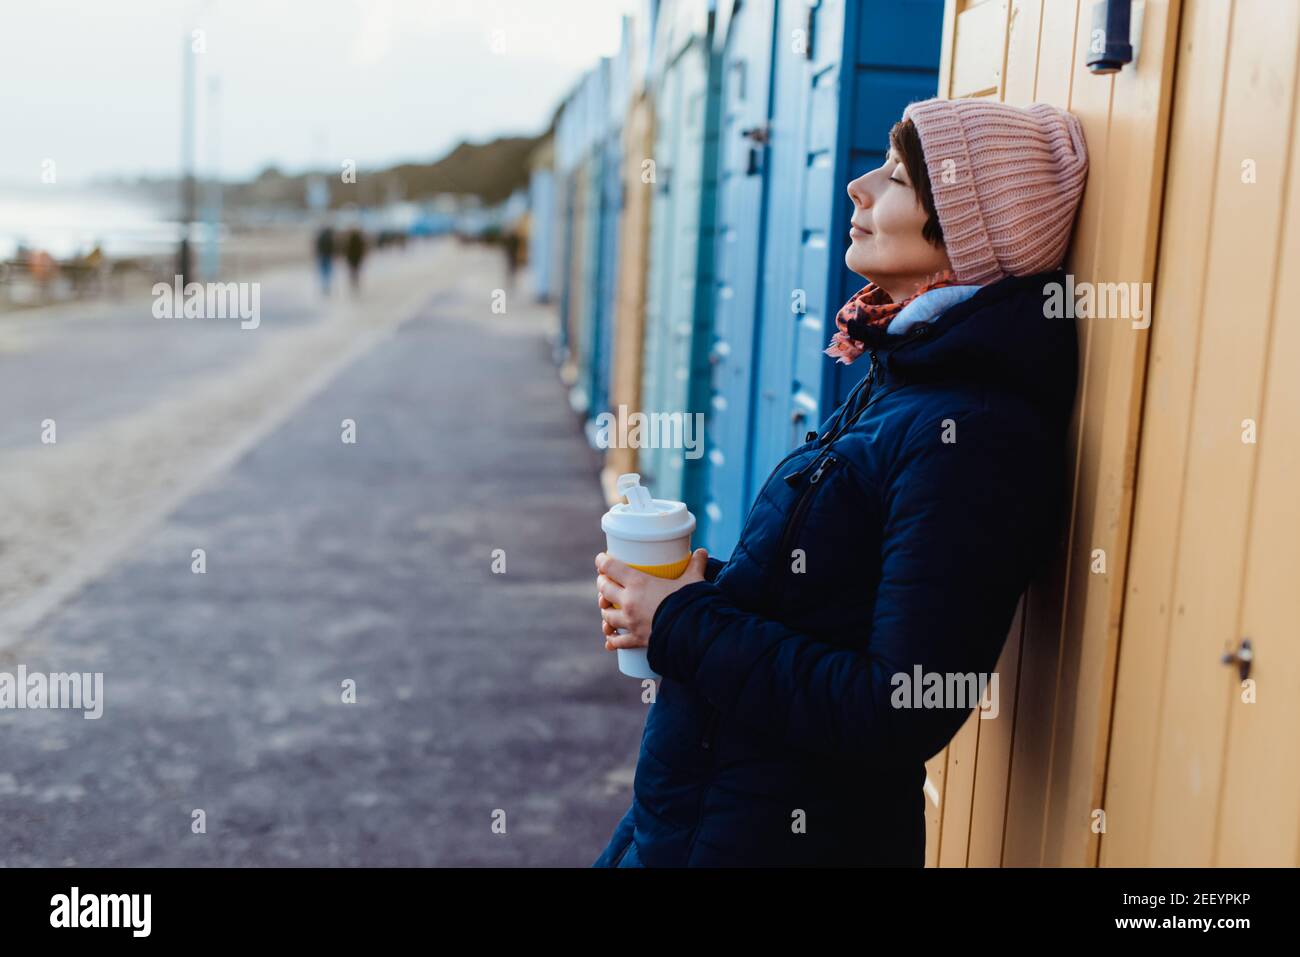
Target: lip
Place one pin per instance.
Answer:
(857, 232)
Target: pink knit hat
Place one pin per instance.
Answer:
(1006, 182)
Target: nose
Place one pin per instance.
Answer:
(859, 193)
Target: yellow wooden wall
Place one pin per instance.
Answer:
(630, 281)
(1124, 739)
(1198, 775)
(1023, 789)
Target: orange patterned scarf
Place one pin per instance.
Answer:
(872, 309)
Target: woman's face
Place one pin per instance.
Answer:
(886, 245)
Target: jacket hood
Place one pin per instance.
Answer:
(1000, 336)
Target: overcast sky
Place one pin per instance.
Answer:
(95, 85)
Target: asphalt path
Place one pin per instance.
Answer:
(351, 680)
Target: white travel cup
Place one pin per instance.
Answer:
(650, 534)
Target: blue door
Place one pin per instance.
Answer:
(605, 198)
(840, 84)
(611, 207)
(746, 75)
(589, 312)
(675, 382)
(564, 278)
(895, 45)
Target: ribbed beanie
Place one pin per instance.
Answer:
(1006, 181)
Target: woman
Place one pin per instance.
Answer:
(894, 544)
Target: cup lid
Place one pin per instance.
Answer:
(643, 518)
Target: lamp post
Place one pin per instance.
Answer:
(188, 189)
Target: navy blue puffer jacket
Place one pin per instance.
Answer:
(900, 537)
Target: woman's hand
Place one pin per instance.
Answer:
(638, 596)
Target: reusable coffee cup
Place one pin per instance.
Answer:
(652, 535)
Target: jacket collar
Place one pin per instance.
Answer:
(999, 336)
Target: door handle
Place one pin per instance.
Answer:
(811, 26)
(797, 418)
(1243, 655)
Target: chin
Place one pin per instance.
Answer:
(857, 262)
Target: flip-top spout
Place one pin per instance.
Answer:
(638, 496)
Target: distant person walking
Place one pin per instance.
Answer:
(355, 253)
(512, 245)
(325, 257)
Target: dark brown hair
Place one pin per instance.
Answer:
(906, 142)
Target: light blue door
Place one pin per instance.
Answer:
(678, 295)
(746, 73)
(661, 270)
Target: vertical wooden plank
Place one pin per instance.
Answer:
(1209, 579)
(1258, 825)
(1071, 796)
(935, 778)
(1023, 31)
(954, 816)
(1004, 8)
(993, 757)
(1184, 268)
(950, 10)
(1056, 48)
(958, 791)
(1037, 685)
(1126, 240)
(633, 250)
(979, 51)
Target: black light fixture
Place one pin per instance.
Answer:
(1108, 42)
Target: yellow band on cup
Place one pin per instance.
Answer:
(671, 570)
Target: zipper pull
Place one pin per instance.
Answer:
(793, 478)
(816, 476)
